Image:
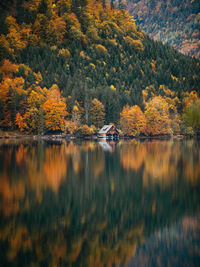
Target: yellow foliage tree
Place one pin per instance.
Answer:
(17, 36)
(64, 53)
(132, 120)
(101, 50)
(11, 90)
(86, 130)
(58, 28)
(157, 116)
(20, 122)
(135, 44)
(189, 99)
(70, 127)
(55, 110)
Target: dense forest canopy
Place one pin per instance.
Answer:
(62, 61)
(175, 22)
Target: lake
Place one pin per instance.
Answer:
(87, 203)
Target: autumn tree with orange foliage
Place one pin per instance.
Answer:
(45, 109)
(132, 120)
(55, 110)
(157, 116)
(11, 94)
(30, 120)
(86, 47)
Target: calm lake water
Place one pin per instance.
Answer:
(128, 203)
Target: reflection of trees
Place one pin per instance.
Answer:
(177, 245)
(132, 155)
(161, 163)
(111, 253)
(161, 160)
(10, 194)
(35, 169)
(83, 221)
(191, 161)
(97, 162)
(55, 166)
(40, 167)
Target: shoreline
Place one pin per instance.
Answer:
(17, 135)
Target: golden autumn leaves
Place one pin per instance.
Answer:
(39, 110)
(132, 120)
(57, 23)
(154, 121)
(47, 111)
(161, 115)
(55, 110)
(47, 105)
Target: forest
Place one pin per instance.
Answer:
(175, 22)
(72, 66)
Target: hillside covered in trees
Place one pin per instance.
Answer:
(175, 22)
(73, 65)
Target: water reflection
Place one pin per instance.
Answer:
(177, 245)
(92, 204)
(161, 160)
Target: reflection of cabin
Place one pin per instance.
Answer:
(108, 132)
(105, 146)
(108, 145)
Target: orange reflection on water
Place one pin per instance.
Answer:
(11, 193)
(38, 167)
(161, 160)
(55, 166)
(132, 155)
(104, 220)
(98, 162)
(191, 162)
(34, 170)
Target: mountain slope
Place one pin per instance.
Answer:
(89, 50)
(175, 22)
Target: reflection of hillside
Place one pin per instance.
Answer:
(113, 253)
(56, 248)
(177, 245)
(82, 221)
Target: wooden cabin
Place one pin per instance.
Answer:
(108, 132)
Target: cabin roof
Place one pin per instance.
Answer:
(105, 129)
